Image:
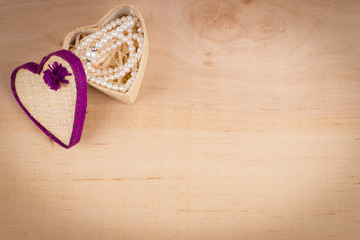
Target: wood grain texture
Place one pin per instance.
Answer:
(247, 126)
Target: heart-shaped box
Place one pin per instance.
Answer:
(128, 97)
(53, 94)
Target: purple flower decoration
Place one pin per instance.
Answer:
(55, 75)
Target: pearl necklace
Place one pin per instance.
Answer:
(119, 41)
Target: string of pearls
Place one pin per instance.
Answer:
(111, 55)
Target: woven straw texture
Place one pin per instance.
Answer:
(55, 110)
(130, 96)
(59, 114)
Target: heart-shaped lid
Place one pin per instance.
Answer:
(54, 95)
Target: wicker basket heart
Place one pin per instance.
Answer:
(114, 52)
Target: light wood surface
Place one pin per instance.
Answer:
(247, 126)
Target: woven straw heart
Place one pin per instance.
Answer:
(129, 96)
(53, 94)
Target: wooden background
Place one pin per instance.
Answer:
(247, 126)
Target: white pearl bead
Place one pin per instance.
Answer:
(108, 49)
(111, 77)
(119, 29)
(132, 48)
(103, 52)
(123, 18)
(133, 74)
(126, 69)
(129, 17)
(122, 73)
(122, 88)
(97, 81)
(98, 45)
(116, 69)
(120, 35)
(115, 87)
(130, 42)
(113, 46)
(118, 21)
(129, 30)
(92, 79)
(133, 60)
(89, 54)
(103, 29)
(108, 27)
(106, 78)
(113, 23)
(110, 70)
(94, 55)
(104, 71)
(109, 85)
(127, 85)
(131, 80)
(118, 43)
(116, 75)
(103, 83)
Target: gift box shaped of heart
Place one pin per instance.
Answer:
(114, 52)
(110, 55)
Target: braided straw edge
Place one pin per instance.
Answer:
(81, 98)
(130, 96)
